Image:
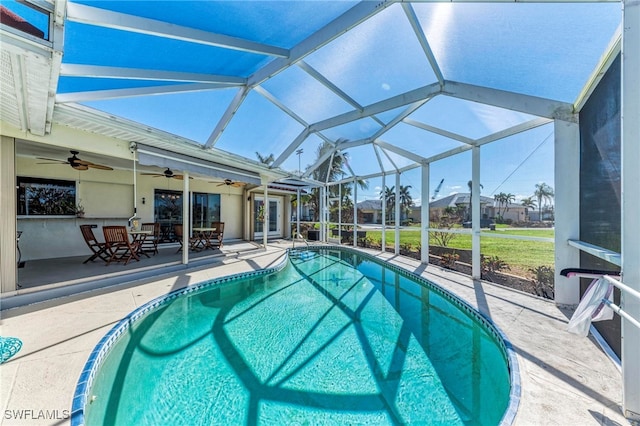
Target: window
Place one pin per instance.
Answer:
(46, 197)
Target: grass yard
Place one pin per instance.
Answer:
(518, 254)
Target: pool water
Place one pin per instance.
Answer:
(333, 338)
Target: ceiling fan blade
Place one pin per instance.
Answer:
(179, 177)
(81, 162)
(80, 167)
(152, 174)
(99, 166)
(51, 159)
(238, 184)
(57, 163)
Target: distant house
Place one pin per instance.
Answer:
(513, 212)
(460, 201)
(370, 211)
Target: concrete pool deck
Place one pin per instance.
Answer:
(566, 379)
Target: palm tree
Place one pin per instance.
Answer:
(388, 195)
(500, 199)
(405, 199)
(470, 185)
(330, 170)
(510, 198)
(265, 159)
(543, 192)
(503, 200)
(528, 203)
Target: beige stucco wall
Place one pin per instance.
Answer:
(108, 200)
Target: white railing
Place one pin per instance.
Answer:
(614, 258)
(299, 237)
(628, 291)
(602, 253)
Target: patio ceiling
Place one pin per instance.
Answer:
(389, 84)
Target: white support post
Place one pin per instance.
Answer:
(567, 210)
(424, 215)
(355, 213)
(186, 219)
(384, 214)
(476, 272)
(325, 228)
(340, 212)
(8, 226)
(265, 224)
(631, 205)
(321, 213)
(397, 215)
(298, 210)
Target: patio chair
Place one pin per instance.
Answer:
(217, 235)
(99, 249)
(193, 241)
(119, 247)
(150, 243)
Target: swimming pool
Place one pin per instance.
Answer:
(331, 336)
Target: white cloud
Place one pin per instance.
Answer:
(455, 187)
(496, 119)
(386, 86)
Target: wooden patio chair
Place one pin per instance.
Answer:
(193, 241)
(217, 235)
(119, 247)
(99, 249)
(150, 242)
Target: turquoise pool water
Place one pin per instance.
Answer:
(333, 338)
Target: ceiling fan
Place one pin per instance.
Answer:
(76, 163)
(167, 173)
(229, 182)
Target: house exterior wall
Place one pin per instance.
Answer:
(108, 200)
(375, 215)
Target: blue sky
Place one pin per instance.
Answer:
(512, 165)
(540, 49)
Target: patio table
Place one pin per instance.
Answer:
(139, 235)
(205, 235)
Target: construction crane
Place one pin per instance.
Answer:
(435, 193)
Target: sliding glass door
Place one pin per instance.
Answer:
(167, 206)
(205, 209)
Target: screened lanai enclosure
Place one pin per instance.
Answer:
(384, 89)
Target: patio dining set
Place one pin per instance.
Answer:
(121, 243)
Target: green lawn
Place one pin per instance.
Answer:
(519, 255)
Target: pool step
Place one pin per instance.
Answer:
(303, 255)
